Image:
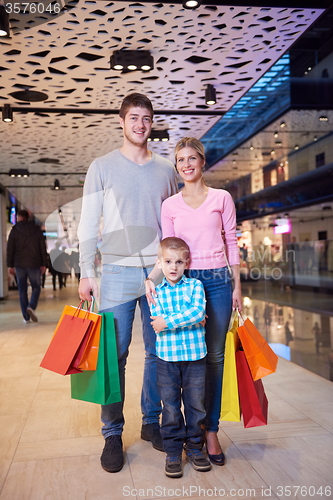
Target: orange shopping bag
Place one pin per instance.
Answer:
(261, 359)
(86, 358)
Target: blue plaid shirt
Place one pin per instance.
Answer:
(182, 306)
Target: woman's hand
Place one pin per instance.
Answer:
(237, 302)
(150, 292)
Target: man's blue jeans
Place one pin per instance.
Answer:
(22, 275)
(218, 291)
(121, 289)
(177, 381)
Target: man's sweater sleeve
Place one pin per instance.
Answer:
(91, 212)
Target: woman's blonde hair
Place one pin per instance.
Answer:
(190, 142)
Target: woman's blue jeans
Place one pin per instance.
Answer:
(218, 291)
(122, 288)
(22, 276)
(181, 381)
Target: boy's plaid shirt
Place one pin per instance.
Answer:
(182, 306)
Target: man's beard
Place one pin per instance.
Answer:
(135, 140)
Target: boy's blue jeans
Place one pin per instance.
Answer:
(218, 291)
(181, 381)
(122, 288)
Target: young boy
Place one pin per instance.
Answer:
(181, 350)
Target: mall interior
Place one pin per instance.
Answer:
(253, 82)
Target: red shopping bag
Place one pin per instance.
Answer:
(86, 358)
(252, 397)
(67, 344)
(261, 358)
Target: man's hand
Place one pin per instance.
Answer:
(42, 270)
(158, 323)
(86, 286)
(12, 271)
(150, 292)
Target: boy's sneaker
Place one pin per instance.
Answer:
(173, 466)
(197, 459)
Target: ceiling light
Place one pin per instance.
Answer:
(19, 172)
(29, 95)
(272, 152)
(210, 94)
(130, 60)
(56, 185)
(251, 148)
(315, 138)
(7, 112)
(159, 135)
(191, 4)
(4, 21)
(282, 124)
(323, 119)
(276, 134)
(296, 147)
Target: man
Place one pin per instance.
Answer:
(27, 258)
(126, 187)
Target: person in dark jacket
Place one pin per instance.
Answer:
(27, 258)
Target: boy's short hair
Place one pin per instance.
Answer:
(135, 100)
(175, 244)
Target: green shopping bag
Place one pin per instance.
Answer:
(102, 385)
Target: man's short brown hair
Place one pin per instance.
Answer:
(23, 214)
(173, 243)
(135, 100)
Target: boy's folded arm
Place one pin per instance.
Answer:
(189, 315)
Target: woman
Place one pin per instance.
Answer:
(205, 218)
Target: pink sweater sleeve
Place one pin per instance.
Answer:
(229, 226)
(166, 221)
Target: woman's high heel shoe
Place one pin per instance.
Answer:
(217, 459)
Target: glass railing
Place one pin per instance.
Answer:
(288, 294)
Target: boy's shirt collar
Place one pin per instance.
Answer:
(182, 280)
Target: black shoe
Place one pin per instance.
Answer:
(197, 459)
(173, 466)
(152, 433)
(112, 458)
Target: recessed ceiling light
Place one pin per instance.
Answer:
(29, 95)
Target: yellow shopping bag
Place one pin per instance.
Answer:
(230, 409)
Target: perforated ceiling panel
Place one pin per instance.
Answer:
(68, 59)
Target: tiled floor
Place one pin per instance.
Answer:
(50, 444)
